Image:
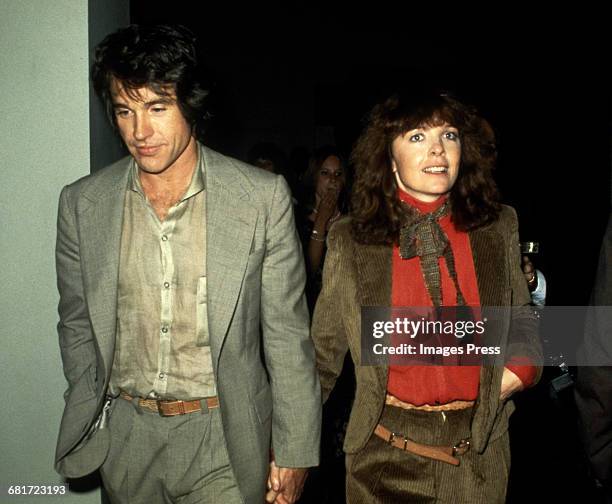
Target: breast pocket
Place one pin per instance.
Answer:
(202, 334)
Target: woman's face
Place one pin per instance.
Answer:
(330, 177)
(426, 161)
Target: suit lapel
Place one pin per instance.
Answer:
(230, 221)
(100, 224)
(230, 225)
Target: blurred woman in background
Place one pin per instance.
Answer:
(325, 201)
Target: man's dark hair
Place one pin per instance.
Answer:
(160, 57)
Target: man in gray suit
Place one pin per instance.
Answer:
(183, 324)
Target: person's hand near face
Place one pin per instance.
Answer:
(330, 181)
(327, 205)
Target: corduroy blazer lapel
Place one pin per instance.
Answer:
(491, 273)
(490, 264)
(374, 265)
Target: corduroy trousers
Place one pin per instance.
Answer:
(382, 474)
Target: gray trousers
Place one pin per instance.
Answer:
(153, 459)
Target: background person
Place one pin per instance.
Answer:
(325, 201)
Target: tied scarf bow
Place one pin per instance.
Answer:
(423, 237)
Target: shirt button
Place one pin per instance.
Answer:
(164, 329)
(164, 238)
(167, 285)
(162, 375)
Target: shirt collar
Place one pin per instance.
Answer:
(421, 206)
(195, 186)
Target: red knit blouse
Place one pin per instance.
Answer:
(438, 384)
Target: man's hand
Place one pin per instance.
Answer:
(510, 384)
(530, 273)
(285, 484)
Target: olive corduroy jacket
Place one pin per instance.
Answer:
(357, 275)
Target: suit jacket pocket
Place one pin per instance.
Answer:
(263, 404)
(92, 379)
(82, 390)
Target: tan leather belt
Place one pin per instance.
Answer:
(446, 454)
(173, 408)
(455, 405)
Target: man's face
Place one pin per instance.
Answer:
(153, 128)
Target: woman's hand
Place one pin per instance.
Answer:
(327, 206)
(530, 273)
(510, 384)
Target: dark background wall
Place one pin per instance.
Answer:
(104, 17)
(302, 76)
(305, 75)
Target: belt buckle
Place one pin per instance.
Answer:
(461, 447)
(181, 407)
(394, 435)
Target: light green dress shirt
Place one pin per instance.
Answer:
(162, 348)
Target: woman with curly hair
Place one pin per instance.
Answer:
(325, 201)
(425, 229)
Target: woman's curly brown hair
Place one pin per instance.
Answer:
(377, 212)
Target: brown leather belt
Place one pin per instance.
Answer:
(446, 454)
(172, 408)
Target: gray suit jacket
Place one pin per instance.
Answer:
(255, 280)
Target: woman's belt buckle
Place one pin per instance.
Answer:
(394, 435)
(461, 447)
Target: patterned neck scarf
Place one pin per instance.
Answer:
(423, 237)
